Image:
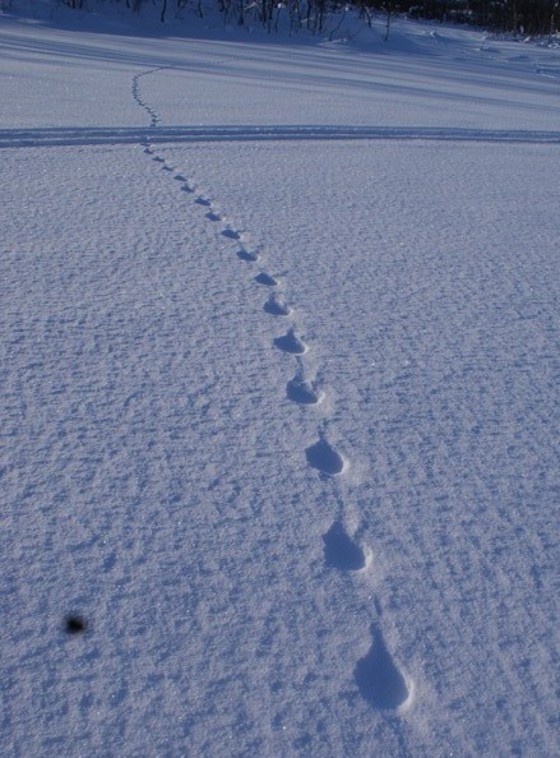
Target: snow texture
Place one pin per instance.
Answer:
(280, 355)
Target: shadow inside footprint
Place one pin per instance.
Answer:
(276, 307)
(246, 255)
(379, 680)
(289, 343)
(340, 551)
(268, 281)
(324, 458)
(300, 392)
(231, 234)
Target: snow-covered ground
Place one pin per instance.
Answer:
(279, 393)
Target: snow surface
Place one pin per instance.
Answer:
(279, 392)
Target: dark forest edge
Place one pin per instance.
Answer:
(540, 18)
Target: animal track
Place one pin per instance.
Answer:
(266, 280)
(246, 255)
(276, 307)
(231, 234)
(154, 116)
(290, 343)
(300, 391)
(379, 679)
(324, 458)
(341, 551)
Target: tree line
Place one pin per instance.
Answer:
(528, 17)
(531, 17)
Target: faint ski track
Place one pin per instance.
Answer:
(68, 136)
(378, 677)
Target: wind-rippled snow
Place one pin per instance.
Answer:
(279, 394)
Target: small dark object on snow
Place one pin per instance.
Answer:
(75, 624)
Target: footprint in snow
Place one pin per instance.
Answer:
(213, 216)
(231, 234)
(167, 168)
(157, 159)
(187, 188)
(324, 458)
(179, 178)
(247, 255)
(341, 551)
(148, 151)
(266, 280)
(300, 391)
(203, 201)
(379, 679)
(290, 343)
(276, 307)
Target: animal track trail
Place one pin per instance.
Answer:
(377, 675)
(155, 118)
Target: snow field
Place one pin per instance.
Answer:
(281, 414)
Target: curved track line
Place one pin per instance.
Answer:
(377, 676)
